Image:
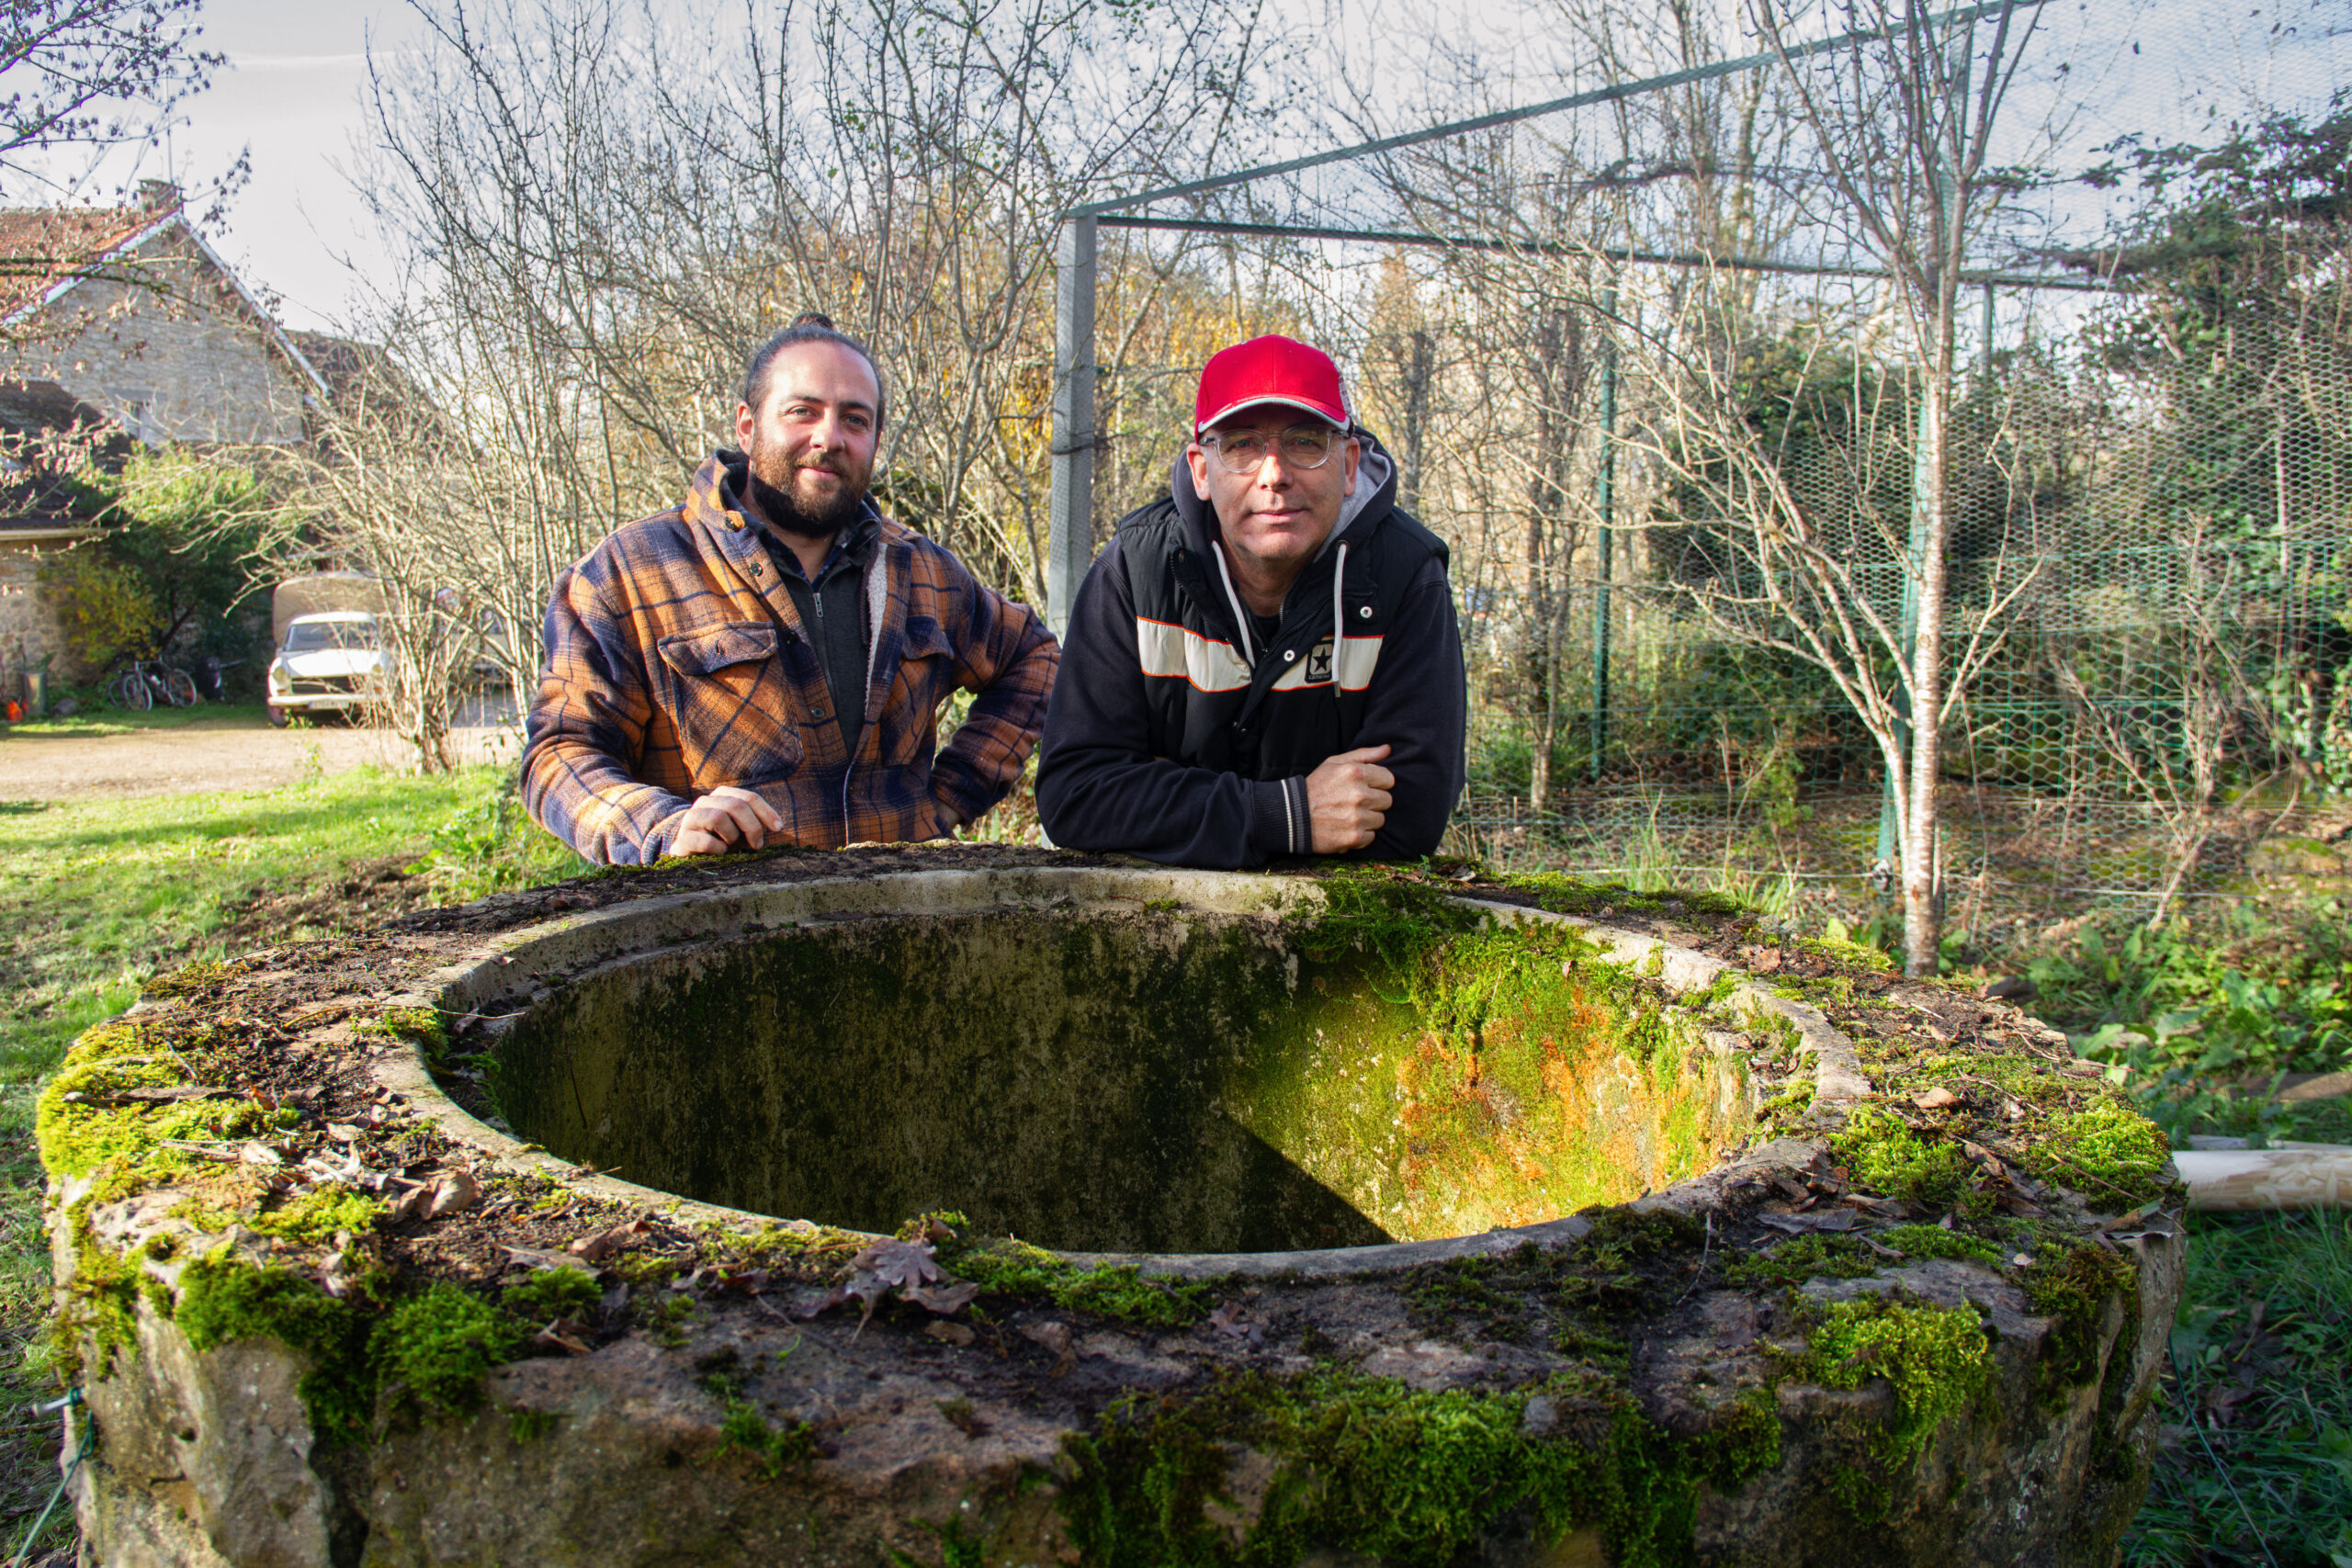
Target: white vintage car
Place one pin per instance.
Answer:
(330, 662)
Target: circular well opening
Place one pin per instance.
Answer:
(1118, 1073)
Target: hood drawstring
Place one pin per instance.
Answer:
(1339, 615)
(1339, 620)
(1240, 616)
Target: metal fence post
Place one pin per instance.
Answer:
(1605, 496)
(1069, 545)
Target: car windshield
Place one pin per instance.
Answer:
(312, 637)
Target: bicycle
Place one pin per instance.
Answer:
(136, 689)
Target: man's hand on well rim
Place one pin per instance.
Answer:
(730, 817)
(1348, 799)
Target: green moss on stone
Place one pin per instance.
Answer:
(1937, 1360)
(191, 979)
(1847, 954)
(1013, 1268)
(1621, 1237)
(1367, 1466)
(1383, 912)
(529, 1425)
(548, 1294)
(775, 1447)
(223, 1301)
(1887, 1157)
(101, 1302)
(2108, 1151)
(422, 1027)
(78, 1136)
(433, 1349)
(2079, 1283)
(1564, 893)
(1744, 1441)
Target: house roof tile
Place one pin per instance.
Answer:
(41, 247)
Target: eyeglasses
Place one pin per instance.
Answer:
(1301, 446)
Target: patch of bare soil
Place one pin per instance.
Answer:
(369, 893)
(208, 755)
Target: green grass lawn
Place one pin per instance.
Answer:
(97, 896)
(2257, 1460)
(95, 719)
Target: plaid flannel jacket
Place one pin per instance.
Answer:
(677, 662)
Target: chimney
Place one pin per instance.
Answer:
(158, 196)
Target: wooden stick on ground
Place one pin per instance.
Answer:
(2225, 1176)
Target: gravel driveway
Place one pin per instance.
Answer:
(211, 754)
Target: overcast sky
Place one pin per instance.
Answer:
(293, 94)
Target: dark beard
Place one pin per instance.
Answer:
(787, 511)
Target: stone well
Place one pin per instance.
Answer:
(1265, 1218)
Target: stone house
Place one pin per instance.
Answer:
(120, 324)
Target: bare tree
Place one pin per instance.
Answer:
(93, 74)
(604, 226)
(1903, 126)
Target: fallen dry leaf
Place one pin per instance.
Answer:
(563, 1335)
(944, 1300)
(453, 1194)
(749, 1281)
(601, 1245)
(539, 1258)
(1985, 1158)
(1057, 1338)
(1232, 1321)
(951, 1333)
(1936, 1098)
(899, 1263)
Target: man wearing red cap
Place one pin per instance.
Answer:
(1264, 661)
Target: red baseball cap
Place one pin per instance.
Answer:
(1269, 369)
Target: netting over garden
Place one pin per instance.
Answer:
(1664, 363)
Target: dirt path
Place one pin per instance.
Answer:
(209, 754)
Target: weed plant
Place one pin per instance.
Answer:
(2202, 1020)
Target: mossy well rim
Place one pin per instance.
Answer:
(505, 975)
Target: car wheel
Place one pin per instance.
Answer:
(277, 716)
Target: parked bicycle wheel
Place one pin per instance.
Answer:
(130, 691)
(180, 688)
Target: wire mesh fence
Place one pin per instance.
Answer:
(1628, 349)
(2171, 677)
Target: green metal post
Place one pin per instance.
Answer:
(1984, 350)
(1605, 493)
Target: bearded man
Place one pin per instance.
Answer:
(765, 662)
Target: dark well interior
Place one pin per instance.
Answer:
(1066, 1078)
(1114, 1079)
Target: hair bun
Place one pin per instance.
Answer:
(814, 318)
